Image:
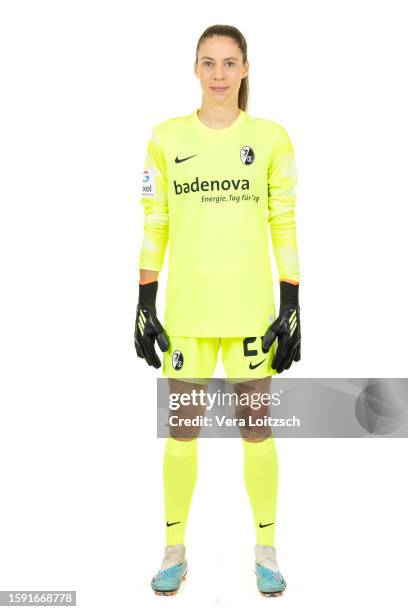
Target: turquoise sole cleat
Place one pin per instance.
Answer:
(270, 583)
(167, 581)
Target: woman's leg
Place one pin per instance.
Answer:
(260, 461)
(180, 466)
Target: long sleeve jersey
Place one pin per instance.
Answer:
(214, 196)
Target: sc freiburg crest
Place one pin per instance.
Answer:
(178, 360)
(247, 155)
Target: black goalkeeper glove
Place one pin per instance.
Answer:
(286, 328)
(148, 327)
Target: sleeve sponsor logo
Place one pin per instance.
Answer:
(149, 183)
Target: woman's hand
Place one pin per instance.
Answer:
(286, 328)
(148, 328)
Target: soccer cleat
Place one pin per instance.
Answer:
(269, 580)
(172, 571)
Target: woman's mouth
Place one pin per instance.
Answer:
(218, 88)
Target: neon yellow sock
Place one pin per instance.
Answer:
(261, 481)
(180, 469)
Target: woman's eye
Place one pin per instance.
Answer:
(229, 64)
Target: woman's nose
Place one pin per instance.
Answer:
(219, 73)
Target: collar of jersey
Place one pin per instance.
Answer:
(217, 131)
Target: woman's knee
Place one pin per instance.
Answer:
(260, 439)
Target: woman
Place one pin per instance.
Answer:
(216, 182)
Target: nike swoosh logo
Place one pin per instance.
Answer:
(266, 524)
(170, 524)
(178, 161)
(252, 367)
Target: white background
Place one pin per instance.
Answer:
(81, 494)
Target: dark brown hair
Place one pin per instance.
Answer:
(235, 34)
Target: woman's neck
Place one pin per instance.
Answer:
(218, 116)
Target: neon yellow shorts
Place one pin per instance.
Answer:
(196, 358)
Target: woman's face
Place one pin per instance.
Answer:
(220, 69)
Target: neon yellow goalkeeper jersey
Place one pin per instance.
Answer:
(215, 196)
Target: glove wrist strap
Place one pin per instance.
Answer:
(147, 295)
(289, 294)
